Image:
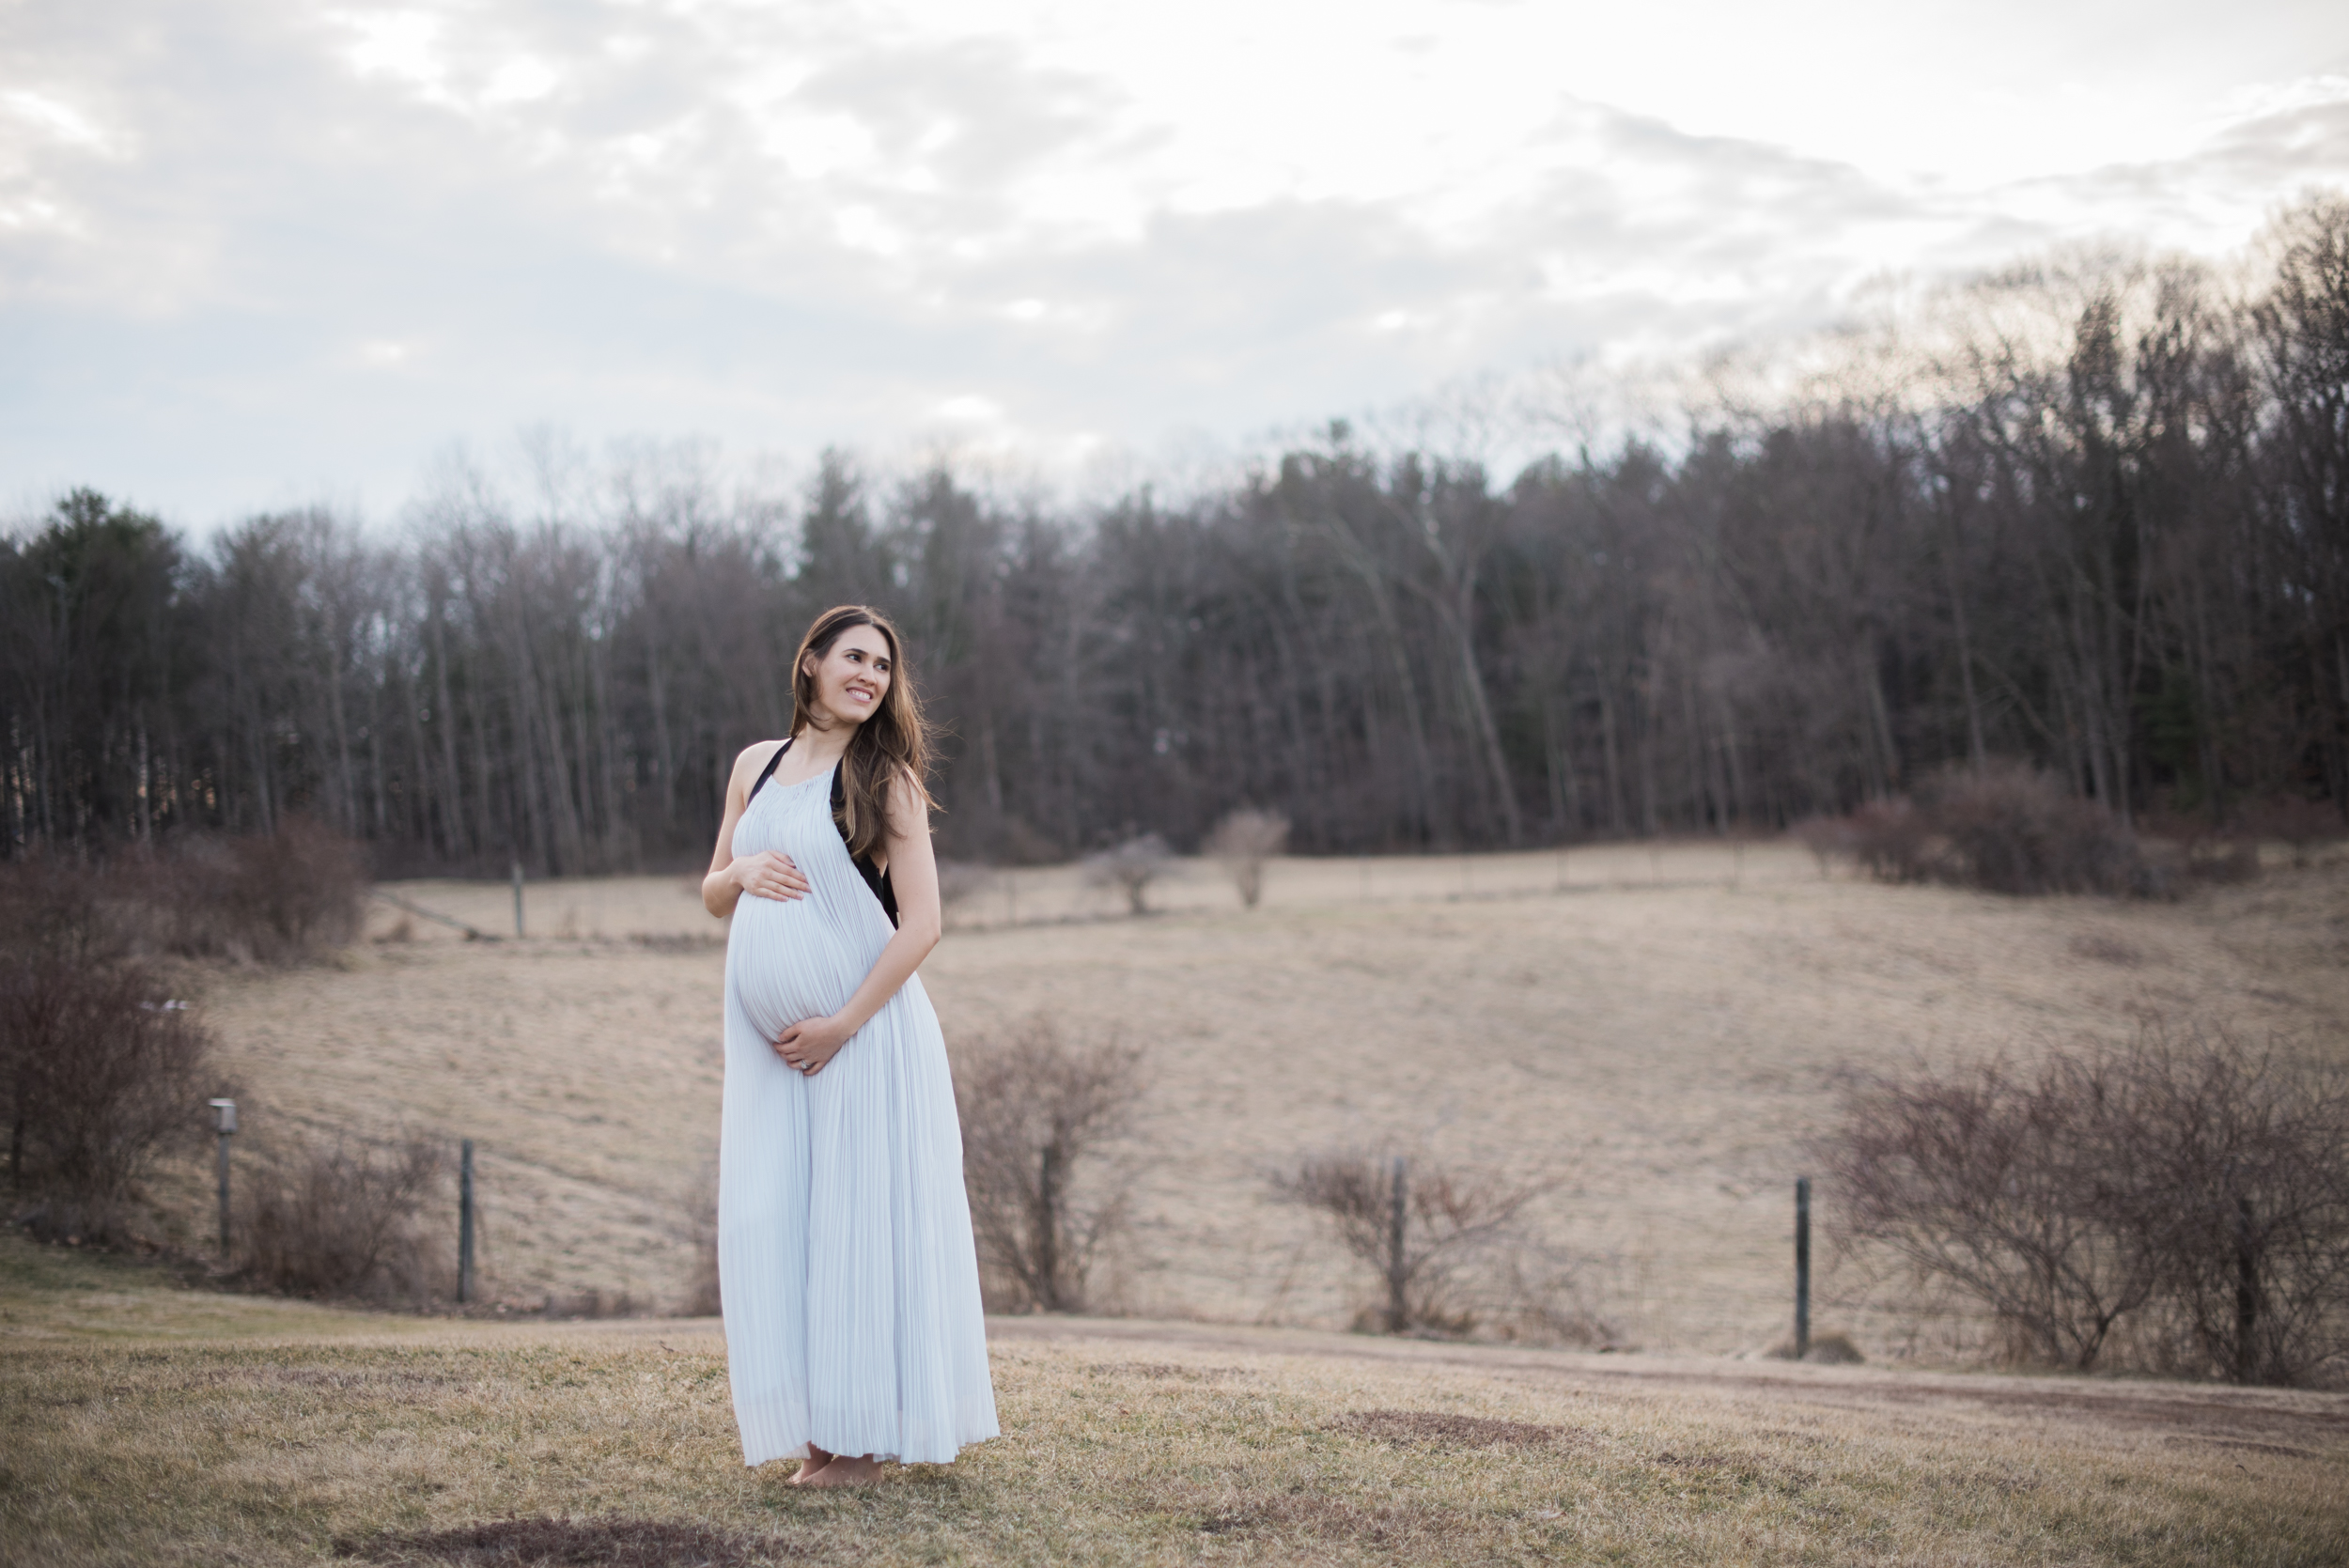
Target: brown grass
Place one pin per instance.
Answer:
(154, 1426)
(533, 1542)
(1662, 1042)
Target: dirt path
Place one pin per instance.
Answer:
(2263, 1419)
(2297, 1423)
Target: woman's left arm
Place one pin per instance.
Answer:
(921, 919)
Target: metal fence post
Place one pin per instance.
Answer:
(1803, 1267)
(465, 1222)
(223, 1123)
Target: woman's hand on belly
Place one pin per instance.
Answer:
(806, 1046)
(768, 874)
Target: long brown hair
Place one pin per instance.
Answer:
(895, 740)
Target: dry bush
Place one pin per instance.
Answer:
(1891, 841)
(1430, 1233)
(2004, 828)
(281, 898)
(1130, 867)
(2298, 823)
(1542, 1295)
(2193, 848)
(1242, 842)
(101, 1073)
(342, 1215)
(2227, 862)
(2190, 1186)
(2246, 1204)
(1828, 839)
(1978, 1179)
(2015, 829)
(1043, 1124)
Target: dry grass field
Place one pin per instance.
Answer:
(1659, 1031)
(151, 1425)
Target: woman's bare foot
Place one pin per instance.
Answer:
(848, 1472)
(816, 1459)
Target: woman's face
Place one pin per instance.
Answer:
(853, 676)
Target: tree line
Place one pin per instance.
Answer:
(2091, 512)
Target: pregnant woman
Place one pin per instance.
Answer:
(845, 1263)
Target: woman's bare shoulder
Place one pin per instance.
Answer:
(753, 757)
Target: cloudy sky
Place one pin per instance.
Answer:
(255, 253)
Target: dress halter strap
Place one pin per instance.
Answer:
(874, 878)
(767, 772)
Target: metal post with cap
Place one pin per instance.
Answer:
(225, 1123)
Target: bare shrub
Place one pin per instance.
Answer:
(2298, 823)
(101, 1072)
(1547, 1296)
(2227, 862)
(2013, 828)
(2194, 1186)
(285, 898)
(1130, 867)
(1828, 839)
(1892, 842)
(342, 1215)
(1242, 842)
(2246, 1206)
(1042, 1120)
(1990, 1180)
(2004, 827)
(1422, 1229)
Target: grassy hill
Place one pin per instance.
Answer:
(1657, 1031)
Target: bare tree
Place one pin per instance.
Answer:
(1421, 1226)
(1243, 840)
(1042, 1123)
(1130, 867)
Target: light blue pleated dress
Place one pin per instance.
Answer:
(846, 1267)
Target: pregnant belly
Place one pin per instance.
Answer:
(785, 964)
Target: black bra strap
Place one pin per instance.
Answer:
(766, 773)
(874, 876)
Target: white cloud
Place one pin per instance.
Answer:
(788, 224)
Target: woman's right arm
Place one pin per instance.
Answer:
(767, 874)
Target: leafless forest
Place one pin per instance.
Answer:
(2090, 513)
